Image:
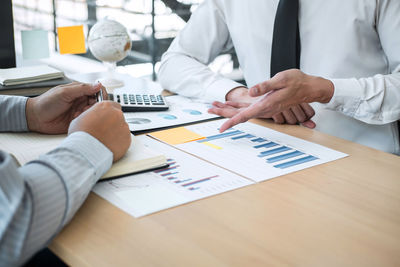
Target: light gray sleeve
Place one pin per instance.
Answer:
(38, 199)
(12, 115)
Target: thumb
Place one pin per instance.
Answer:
(74, 91)
(262, 88)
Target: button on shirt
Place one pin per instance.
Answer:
(355, 44)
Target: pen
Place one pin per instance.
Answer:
(99, 96)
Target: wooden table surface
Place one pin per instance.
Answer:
(342, 213)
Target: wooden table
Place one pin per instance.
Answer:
(342, 213)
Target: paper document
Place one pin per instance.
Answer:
(253, 151)
(182, 110)
(29, 146)
(186, 179)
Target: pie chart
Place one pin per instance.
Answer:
(167, 116)
(192, 111)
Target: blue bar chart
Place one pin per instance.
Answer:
(256, 152)
(272, 151)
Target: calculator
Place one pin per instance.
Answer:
(139, 102)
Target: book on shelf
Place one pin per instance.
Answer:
(26, 147)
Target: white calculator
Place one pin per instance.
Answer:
(139, 102)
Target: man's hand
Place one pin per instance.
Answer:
(297, 114)
(285, 90)
(105, 122)
(52, 112)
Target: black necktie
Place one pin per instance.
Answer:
(285, 53)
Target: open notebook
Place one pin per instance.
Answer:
(29, 146)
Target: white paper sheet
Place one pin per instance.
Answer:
(181, 110)
(187, 179)
(256, 152)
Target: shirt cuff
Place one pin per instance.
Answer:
(346, 96)
(15, 111)
(92, 149)
(218, 90)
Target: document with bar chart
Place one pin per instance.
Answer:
(250, 150)
(186, 179)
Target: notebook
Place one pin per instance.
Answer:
(29, 146)
(32, 74)
(32, 89)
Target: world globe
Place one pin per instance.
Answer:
(109, 42)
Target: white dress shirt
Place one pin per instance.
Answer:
(39, 198)
(354, 43)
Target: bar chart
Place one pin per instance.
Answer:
(256, 152)
(172, 175)
(186, 179)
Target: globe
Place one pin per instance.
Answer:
(109, 42)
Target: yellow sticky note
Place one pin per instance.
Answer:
(177, 136)
(71, 40)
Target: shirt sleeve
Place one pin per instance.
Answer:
(375, 100)
(184, 68)
(38, 199)
(12, 115)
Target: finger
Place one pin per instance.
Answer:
(91, 101)
(309, 124)
(290, 118)
(299, 113)
(243, 116)
(237, 104)
(308, 110)
(278, 118)
(75, 91)
(224, 112)
(113, 104)
(274, 83)
(105, 93)
(219, 104)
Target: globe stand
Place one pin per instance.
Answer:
(110, 82)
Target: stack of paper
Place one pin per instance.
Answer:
(24, 75)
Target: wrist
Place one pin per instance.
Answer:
(323, 89)
(31, 117)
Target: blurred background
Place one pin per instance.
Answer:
(152, 25)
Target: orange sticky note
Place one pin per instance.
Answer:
(177, 136)
(71, 40)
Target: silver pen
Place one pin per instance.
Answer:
(99, 96)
